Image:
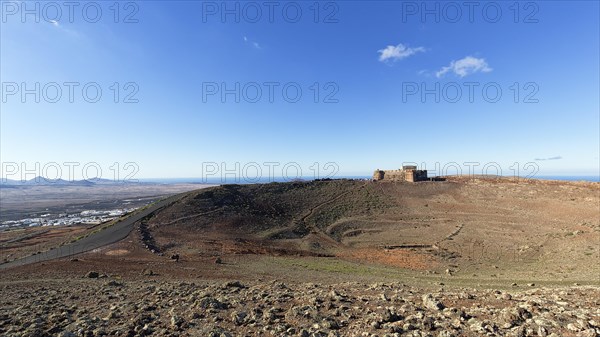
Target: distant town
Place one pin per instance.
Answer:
(87, 217)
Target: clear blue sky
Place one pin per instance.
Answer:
(372, 52)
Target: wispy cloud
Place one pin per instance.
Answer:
(550, 158)
(398, 52)
(253, 43)
(64, 29)
(465, 66)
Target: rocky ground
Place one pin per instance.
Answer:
(100, 305)
(331, 258)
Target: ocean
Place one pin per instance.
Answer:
(570, 178)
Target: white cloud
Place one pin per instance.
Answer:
(64, 29)
(254, 43)
(466, 66)
(398, 52)
(550, 158)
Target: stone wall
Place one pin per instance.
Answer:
(411, 175)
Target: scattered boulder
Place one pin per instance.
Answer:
(511, 317)
(234, 284)
(389, 316)
(212, 303)
(92, 274)
(113, 283)
(238, 317)
(165, 307)
(431, 303)
(176, 321)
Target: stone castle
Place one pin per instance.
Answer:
(406, 173)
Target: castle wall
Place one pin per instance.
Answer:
(396, 175)
(410, 175)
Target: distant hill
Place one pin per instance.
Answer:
(41, 181)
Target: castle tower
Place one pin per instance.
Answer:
(378, 175)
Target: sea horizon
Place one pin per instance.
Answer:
(233, 180)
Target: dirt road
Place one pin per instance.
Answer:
(102, 238)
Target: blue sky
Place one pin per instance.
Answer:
(366, 56)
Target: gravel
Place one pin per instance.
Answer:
(111, 307)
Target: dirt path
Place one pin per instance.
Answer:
(24, 237)
(316, 230)
(189, 217)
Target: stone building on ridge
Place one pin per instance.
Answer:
(406, 173)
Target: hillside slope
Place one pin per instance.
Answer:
(493, 228)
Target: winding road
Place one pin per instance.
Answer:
(112, 234)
